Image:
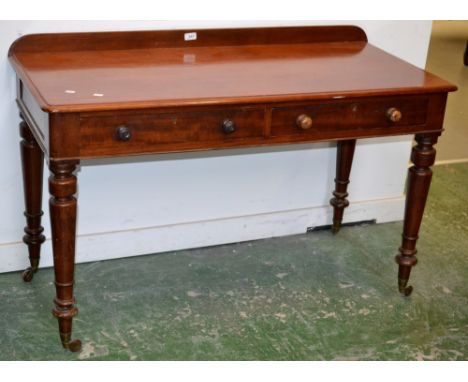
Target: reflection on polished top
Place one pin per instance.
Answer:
(92, 79)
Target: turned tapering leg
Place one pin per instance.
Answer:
(63, 206)
(419, 180)
(32, 159)
(344, 161)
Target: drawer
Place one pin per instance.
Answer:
(127, 133)
(347, 115)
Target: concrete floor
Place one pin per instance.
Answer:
(306, 297)
(445, 59)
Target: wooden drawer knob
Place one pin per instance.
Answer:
(304, 122)
(228, 126)
(124, 134)
(393, 114)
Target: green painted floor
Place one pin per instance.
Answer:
(306, 297)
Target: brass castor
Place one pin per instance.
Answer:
(28, 274)
(403, 288)
(74, 346)
(336, 227)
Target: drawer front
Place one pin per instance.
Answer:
(163, 132)
(346, 116)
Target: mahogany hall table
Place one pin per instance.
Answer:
(95, 95)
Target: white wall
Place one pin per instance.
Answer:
(180, 201)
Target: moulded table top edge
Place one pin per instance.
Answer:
(264, 87)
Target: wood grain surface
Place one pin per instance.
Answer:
(184, 73)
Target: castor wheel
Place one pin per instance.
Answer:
(336, 226)
(406, 291)
(403, 288)
(74, 346)
(28, 274)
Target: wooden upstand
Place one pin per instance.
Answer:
(95, 95)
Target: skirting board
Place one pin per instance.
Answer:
(143, 241)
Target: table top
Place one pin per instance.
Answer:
(83, 72)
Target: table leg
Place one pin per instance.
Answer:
(63, 206)
(344, 161)
(32, 159)
(419, 180)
